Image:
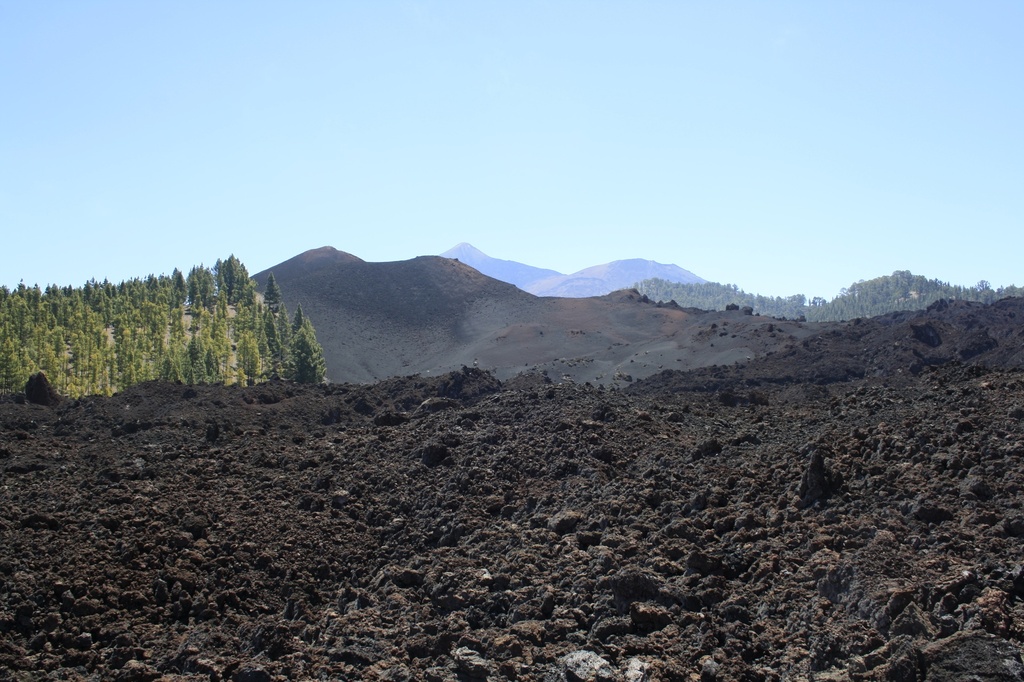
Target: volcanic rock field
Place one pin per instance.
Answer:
(847, 507)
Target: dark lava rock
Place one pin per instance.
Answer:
(565, 522)
(432, 454)
(649, 617)
(632, 584)
(816, 483)
(251, 674)
(708, 448)
(976, 344)
(926, 334)
(1014, 525)
(485, 541)
(39, 391)
(390, 419)
(470, 382)
(929, 512)
(972, 656)
(471, 664)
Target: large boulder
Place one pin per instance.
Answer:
(972, 655)
(39, 391)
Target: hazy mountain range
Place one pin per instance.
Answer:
(596, 280)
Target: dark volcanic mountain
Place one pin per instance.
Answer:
(597, 280)
(381, 319)
(309, 262)
(431, 315)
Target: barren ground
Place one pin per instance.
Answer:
(785, 519)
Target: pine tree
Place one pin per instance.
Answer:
(179, 288)
(306, 362)
(275, 349)
(248, 353)
(173, 365)
(12, 371)
(272, 295)
(232, 279)
(284, 331)
(201, 287)
(195, 366)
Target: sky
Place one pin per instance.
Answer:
(786, 147)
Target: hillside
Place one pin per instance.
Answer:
(381, 319)
(432, 315)
(893, 348)
(901, 290)
(209, 326)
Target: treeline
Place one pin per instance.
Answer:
(900, 291)
(210, 326)
(714, 296)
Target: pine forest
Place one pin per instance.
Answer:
(899, 291)
(211, 326)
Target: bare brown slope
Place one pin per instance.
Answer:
(430, 315)
(309, 261)
(383, 319)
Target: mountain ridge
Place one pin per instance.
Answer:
(431, 315)
(513, 272)
(595, 280)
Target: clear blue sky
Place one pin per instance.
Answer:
(787, 147)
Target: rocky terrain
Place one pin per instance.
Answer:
(796, 517)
